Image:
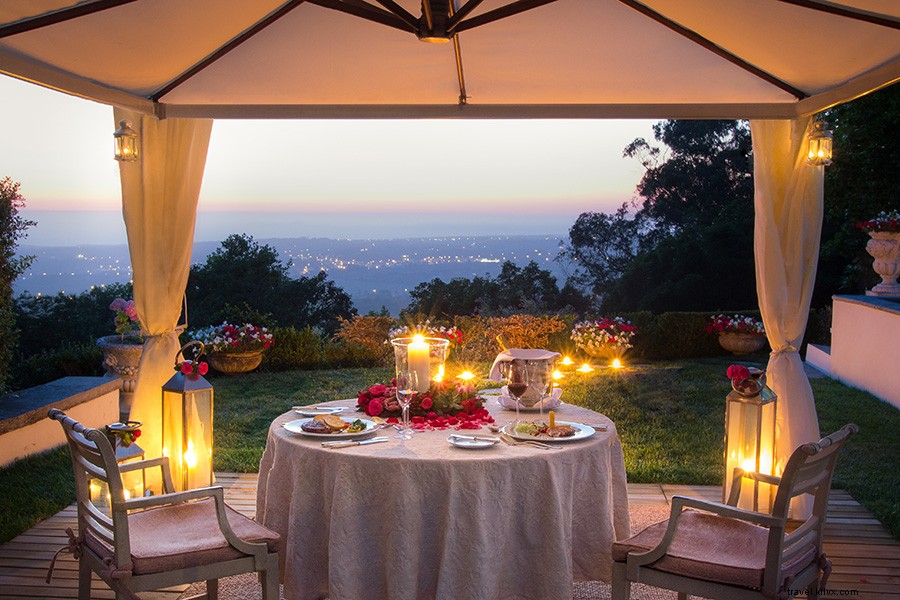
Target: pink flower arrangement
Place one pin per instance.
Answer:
(189, 367)
(126, 319)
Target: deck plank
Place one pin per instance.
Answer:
(866, 557)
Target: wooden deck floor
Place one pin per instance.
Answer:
(866, 557)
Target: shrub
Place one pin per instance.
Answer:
(369, 333)
(296, 349)
(519, 331)
(70, 359)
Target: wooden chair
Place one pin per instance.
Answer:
(735, 554)
(148, 543)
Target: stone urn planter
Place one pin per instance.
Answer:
(234, 362)
(606, 353)
(121, 359)
(885, 249)
(742, 343)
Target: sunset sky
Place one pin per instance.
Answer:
(332, 177)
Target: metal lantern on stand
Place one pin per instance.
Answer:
(187, 428)
(750, 438)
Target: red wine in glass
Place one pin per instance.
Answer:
(517, 389)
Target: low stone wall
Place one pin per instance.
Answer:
(865, 345)
(25, 428)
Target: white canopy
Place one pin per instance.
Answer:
(171, 65)
(516, 58)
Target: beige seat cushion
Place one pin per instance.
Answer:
(184, 535)
(713, 548)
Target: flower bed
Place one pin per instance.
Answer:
(227, 338)
(885, 221)
(734, 324)
(604, 336)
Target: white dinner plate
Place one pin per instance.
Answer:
(313, 411)
(294, 427)
(470, 444)
(581, 432)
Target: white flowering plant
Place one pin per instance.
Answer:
(603, 334)
(228, 338)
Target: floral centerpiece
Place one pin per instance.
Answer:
(446, 404)
(234, 348)
(605, 336)
(885, 221)
(738, 334)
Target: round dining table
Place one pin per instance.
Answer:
(422, 519)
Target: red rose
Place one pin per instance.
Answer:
(363, 398)
(373, 409)
(469, 405)
(136, 433)
(378, 389)
(391, 403)
(738, 372)
(187, 368)
(203, 368)
(426, 403)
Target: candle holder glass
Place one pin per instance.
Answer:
(419, 361)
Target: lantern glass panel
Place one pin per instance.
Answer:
(187, 436)
(750, 445)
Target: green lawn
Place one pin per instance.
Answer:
(670, 417)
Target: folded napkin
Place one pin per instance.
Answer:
(520, 353)
(551, 401)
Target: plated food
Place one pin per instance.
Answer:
(560, 431)
(539, 428)
(331, 426)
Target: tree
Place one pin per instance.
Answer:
(243, 279)
(691, 230)
(863, 180)
(12, 228)
(527, 289)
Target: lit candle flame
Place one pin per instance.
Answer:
(566, 361)
(190, 458)
(557, 374)
(466, 375)
(585, 368)
(616, 364)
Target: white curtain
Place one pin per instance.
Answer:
(789, 205)
(159, 203)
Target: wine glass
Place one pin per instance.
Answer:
(539, 376)
(517, 382)
(407, 384)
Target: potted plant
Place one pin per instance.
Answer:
(122, 352)
(738, 334)
(884, 246)
(234, 348)
(604, 338)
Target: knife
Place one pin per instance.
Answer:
(348, 443)
(475, 438)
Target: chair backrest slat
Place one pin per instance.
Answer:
(99, 528)
(98, 515)
(90, 469)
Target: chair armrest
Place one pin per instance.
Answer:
(738, 478)
(258, 551)
(639, 559)
(162, 462)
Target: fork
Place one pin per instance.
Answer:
(507, 439)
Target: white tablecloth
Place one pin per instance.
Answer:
(422, 519)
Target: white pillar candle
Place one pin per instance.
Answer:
(419, 358)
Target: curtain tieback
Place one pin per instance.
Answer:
(783, 350)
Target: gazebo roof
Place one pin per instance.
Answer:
(509, 59)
